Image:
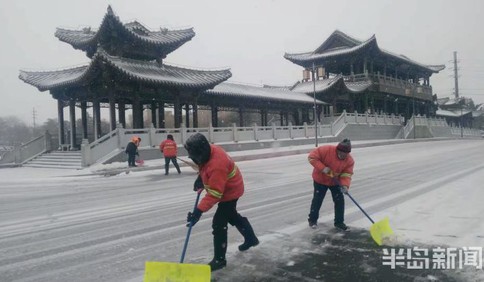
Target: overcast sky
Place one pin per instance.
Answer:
(249, 36)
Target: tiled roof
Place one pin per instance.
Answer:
(324, 85)
(148, 72)
(311, 56)
(350, 45)
(448, 113)
(86, 38)
(260, 93)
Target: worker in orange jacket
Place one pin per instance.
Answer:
(332, 169)
(169, 149)
(224, 185)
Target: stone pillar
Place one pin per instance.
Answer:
(84, 119)
(72, 118)
(60, 117)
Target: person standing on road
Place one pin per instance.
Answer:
(132, 150)
(169, 149)
(332, 169)
(223, 182)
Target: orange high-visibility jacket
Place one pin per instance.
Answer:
(221, 179)
(169, 149)
(325, 156)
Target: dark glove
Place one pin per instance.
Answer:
(198, 184)
(193, 217)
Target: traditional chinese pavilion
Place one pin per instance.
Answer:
(127, 71)
(360, 76)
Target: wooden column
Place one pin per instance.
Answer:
(60, 117)
(161, 114)
(241, 116)
(195, 112)
(136, 111)
(214, 115)
(153, 114)
(84, 119)
(263, 117)
(187, 115)
(122, 113)
(141, 116)
(112, 110)
(72, 118)
(96, 112)
(177, 111)
(295, 115)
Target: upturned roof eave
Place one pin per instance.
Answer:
(77, 75)
(93, 37)
(303, 59)
(330, 85)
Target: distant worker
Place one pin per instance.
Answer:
(333, 168)
(132, 150)
(223, 182)
(169, 149)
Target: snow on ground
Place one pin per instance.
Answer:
(431, 191)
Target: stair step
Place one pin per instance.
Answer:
(66, 162)
(53, 166)
(57, 159)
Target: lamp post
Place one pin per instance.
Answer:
(315, 112)
(413, 112)
(461, 120)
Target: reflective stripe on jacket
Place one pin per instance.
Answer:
(221, 179)
(168, 147)
(326, 156)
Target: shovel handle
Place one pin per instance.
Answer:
(190, 228)
(336, 181)
(192, 165)
(360, 207)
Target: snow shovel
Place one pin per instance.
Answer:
(378, 230)
(170, 271)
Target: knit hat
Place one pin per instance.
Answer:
(344, 146)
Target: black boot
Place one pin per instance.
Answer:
(250, 240)
(219, 250)
(217, 264)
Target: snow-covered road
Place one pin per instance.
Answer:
(95, 228)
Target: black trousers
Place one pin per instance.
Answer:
(131, 159)
(318, 197)
(167, 164)
(226, 213)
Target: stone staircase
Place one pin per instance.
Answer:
(57, 159)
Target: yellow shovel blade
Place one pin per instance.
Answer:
(174, 272)
(380, 230)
